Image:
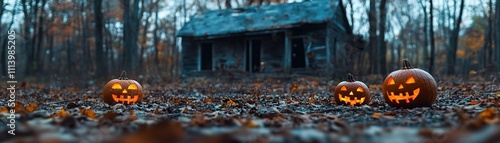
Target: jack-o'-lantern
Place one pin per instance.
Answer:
(122, 90)
(409, 87)
(351, 92)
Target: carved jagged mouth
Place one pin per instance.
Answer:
(352, 102)
(123, 100)
(406, 97)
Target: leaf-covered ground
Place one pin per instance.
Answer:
(261, 109)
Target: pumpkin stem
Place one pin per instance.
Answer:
(123, 76)
(407, 65)
(350, 78)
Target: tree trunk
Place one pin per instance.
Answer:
(228, 4)
(1, 11)
(382, 49)
(372, 20)
(452, 50)
(352, 14)
(3, 41)
(156, 39)
(486, 52)
(497, 35)
(426, 34)
(143, 43)
(69, 61)
(431, 32)
(40, 35)
(3, 58)
(101, 67)
(130, 30)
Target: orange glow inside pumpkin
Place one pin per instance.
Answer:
(348, 100)
(121, 98)
(406, 96)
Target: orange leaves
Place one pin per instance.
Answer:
(311, 100)
(388, 115)
(157, 111)
(230, 103)
(4, 110)
(489, 115)
(32, 107)
(89, 113)
(110, 115)
(249, 123)
(61, 114)
(207, 100)
(295, 87)
(132, 116)
(474, 102)
(256, 85)
(377, 115)
(198, 119)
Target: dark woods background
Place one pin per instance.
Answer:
(85, 39)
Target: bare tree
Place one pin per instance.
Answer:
(453, 41)
(497, 34)
(381, 45)
(99, 51)
(372, 20)
(1, 10)
(431, 31)
(487, 50)
(130, 35)
(426, 32)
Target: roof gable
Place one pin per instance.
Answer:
(258, 18)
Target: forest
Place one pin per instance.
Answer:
(60, 59)
(443, 37)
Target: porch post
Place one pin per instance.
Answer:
(328, 48)
(288, 52)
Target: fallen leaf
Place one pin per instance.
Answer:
(377, 115)
(230, 103)
(474, 102)
(61, 114)
(111, 115)
(311, 100)
(89, 113)
(488, 115)
(4, 110)
(207, 100)
(32, 107)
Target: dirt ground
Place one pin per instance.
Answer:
(263, 109)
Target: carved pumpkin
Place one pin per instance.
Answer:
(351, 92)
(122, 90)
(409, 87)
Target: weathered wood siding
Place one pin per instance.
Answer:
(272, 52)
(229, 53)
(189, 55)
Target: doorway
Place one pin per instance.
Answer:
(298, 53)
(253, 55)
(206, 56)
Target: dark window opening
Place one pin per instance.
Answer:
(253, 55)
(206, 56)
(298, 53)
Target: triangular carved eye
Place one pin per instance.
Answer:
(391, 81)
(132, 86)
(360, 89)
(116, 86)
(410, 80)
(343, 88)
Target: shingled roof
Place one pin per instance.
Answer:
(258, 18)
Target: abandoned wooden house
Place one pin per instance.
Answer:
(268, 38)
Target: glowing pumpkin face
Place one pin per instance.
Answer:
(409, 88)
(351, 92)
(122, 90)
